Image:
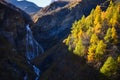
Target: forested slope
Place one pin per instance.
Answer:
(97, 39)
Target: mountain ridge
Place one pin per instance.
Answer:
(46, 28)
(26, 6)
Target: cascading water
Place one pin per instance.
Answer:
(36, 70)
(33, 49)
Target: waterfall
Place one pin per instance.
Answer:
(33, 49)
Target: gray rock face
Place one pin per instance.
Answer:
(54, 25)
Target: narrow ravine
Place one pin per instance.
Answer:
(33, 49)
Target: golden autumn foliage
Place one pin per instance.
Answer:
(96, 51)
(94, 39)
(94, 36)
(99, 28)
(97, 15)
(114, 35)
(108, 34)
(110, 67)
(91, 53)
(79, 49)
(100, 50)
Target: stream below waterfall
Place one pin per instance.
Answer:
(36, 70)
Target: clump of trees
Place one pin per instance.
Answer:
(93, 37)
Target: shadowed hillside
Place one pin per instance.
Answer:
(13, 64)
(60, 64)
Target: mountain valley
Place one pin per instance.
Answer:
(66, 40)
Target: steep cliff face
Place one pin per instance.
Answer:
(13, 64)
(13, 22)
(52, 26)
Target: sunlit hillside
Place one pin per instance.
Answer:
(97, 39)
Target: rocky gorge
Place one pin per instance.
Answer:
(31, 46)
(13, 34)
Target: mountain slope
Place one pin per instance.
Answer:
(94, 57)
(51, 7)
(26, 6)
(60, 64)
(13, 64)
(96, 37)
(54, 25)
